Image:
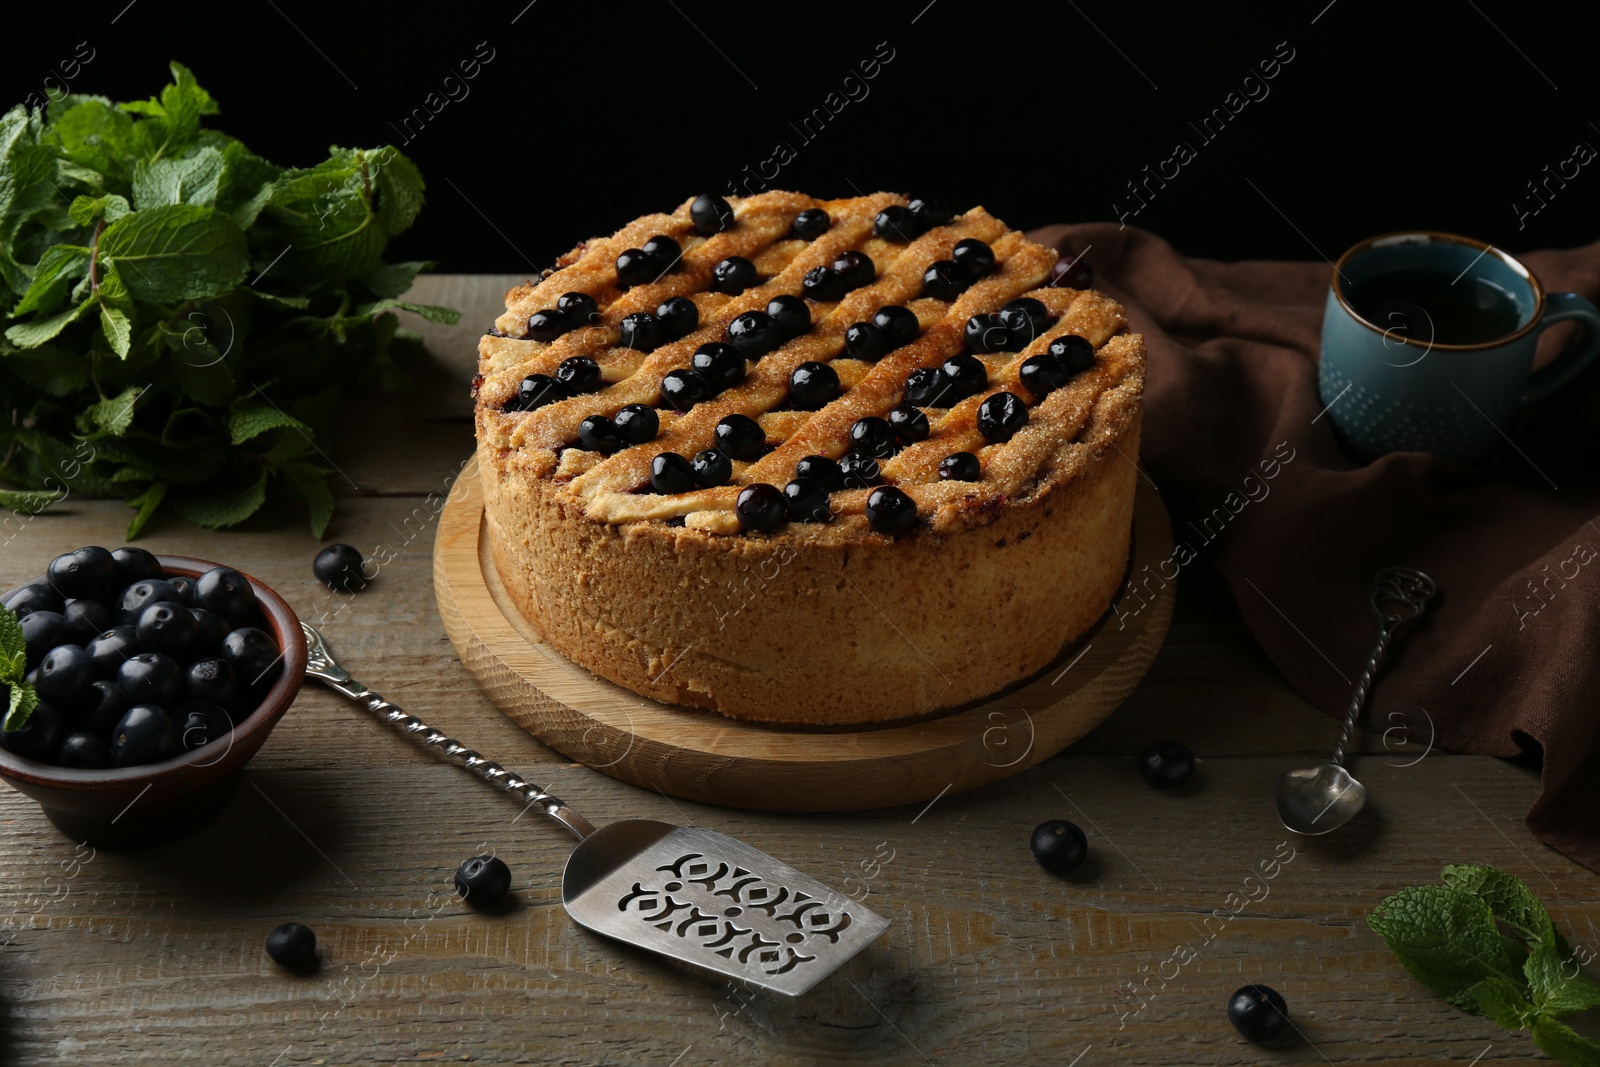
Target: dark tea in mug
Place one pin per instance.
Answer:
(1428, 306)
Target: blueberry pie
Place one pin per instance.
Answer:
(810, 461)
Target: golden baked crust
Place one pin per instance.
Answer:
(813, 622)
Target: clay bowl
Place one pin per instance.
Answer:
(153, 802)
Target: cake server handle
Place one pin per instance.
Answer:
(321, 665)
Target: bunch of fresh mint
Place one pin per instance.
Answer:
(1450, 938)
(181, 317)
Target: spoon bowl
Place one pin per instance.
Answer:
(1316, 800)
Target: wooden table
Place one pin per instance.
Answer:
(158, 954)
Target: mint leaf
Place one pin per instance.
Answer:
(111, 416)
(175, 118)
(1511, 901)
(310, 483)
(1565, 1044)
(20, 704)
(252, 417)
(194, 179)
(202, 374)
(37, 332)
(230, 509)
(86, 209)
(99, 138)
(27, 501)
(1558, 986)
(1447, 940)
(431, 312)
(12, 645)
(57, 271)
(1502, 1002)
(176, 252)
(393, 279)
(146, 504)
(118, 328)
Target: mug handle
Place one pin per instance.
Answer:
(1562, 307)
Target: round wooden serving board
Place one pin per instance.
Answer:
(703, 756)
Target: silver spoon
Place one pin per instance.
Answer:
(1315, 800)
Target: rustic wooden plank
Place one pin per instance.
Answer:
(157, 954)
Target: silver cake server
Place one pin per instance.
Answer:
(689, 893)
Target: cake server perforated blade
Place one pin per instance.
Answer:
(693, 894)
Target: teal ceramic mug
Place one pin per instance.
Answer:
(1428, 342)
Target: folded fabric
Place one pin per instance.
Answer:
(1507, 661)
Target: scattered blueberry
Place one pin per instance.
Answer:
(1001, 416)
(822, 470)
(720, 363)
(679, 317)
(811, 223)
(960, 467)
(294, 946)
(805, 500)
(683, 389)
(1059, 846)
(760, 507)
(874, 436)
(710, 214)
(790, 313)
(741, 437)
(340, 567)
(638, 423)
(599, 434)
(580, 374)
(1258, 1012)
(1166, 764)
(890, 511)
(734, 275)
(909, 423)
(483, 881)
(712, 467)
(813, 385)
(754, 334)
(670, 473)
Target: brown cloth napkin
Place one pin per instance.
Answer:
(1507, 661)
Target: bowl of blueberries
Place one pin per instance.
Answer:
(158, 678)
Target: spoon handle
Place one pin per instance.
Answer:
(321, 665)
(1399, 596)
(1359, 697)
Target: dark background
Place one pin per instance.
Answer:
(1389, 115)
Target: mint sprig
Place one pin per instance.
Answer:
(1486, 944)
(20, 697)
(161, 287)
